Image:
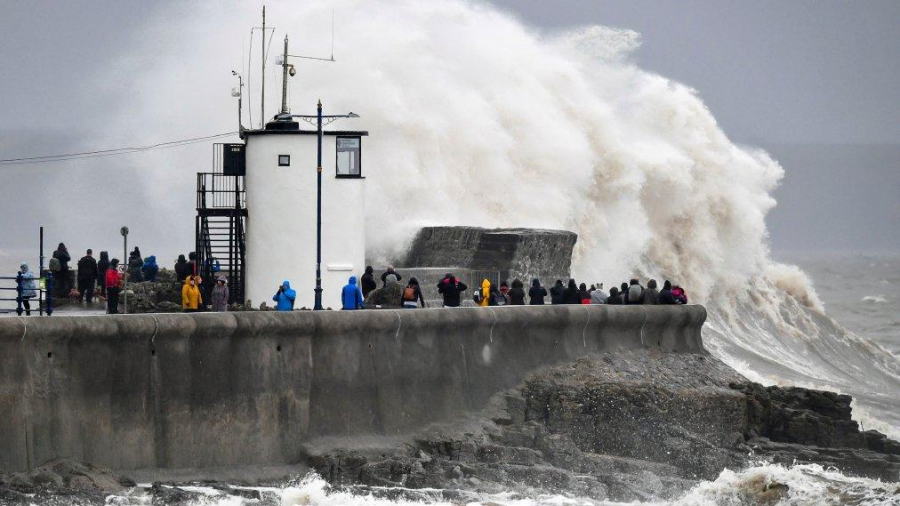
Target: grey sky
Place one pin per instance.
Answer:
(814, 83)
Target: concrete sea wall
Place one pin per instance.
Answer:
(218, 390)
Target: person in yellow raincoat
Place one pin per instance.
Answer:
(190, 296)
(485, 293)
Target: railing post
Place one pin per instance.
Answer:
(19, 292)
(49, 293)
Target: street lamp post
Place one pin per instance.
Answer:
(124, 232)
(318, 304)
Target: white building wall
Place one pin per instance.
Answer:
(281, 225)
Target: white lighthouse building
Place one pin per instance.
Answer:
(281, 186)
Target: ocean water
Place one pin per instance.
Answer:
(478, 119)
(772, 485)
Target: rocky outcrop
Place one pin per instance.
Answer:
(51, 483)
(624, 427)
(810, 426)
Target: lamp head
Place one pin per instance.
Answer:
(291, 71)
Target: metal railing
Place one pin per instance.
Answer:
(218, 191)
(43, 290)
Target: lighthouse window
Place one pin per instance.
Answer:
(284, 160)
(348, 151)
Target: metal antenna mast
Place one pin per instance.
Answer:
(262, 100)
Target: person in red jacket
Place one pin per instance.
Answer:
(113, 280)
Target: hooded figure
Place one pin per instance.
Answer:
(190, 295)
(368, 281)
(536, 293)
(584, 294)
(498, 296)
(635, 292)
(102, 266)
(516, 293)
(450, 288)
(623, 292)
(614, 297)
(557, 293)
(219, 295)
(411, 296)
(113, 278)
(665, 295)
(679, 295)
(135, 262)
(284, 297)
(61, 277)
(182, 267)
(651, 294)
(351, 296)
(485, 294)
(572, 295)
(150, 268)
(28, 288)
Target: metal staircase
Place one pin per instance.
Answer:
(221, 222)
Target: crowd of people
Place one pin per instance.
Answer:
(490, 294)
(104, 278)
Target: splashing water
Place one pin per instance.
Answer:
(477, 119)
(763, 484)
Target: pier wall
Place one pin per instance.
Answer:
(220, 390)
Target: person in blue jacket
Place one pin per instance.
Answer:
(284, 297)
(351, 296)
(150, 268)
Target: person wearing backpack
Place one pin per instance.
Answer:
(411, 297)
(635, 292)
(450, 288)
(536, 293)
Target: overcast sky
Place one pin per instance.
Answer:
(816, 83)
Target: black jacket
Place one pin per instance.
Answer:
(63, 257)
(367, 283)
(557, 294)
(87, 268)
(666, 297)
(418, 298)
(615, 300)
(385, 274)
(451, 292)
(536, 295)
(572, 295)
(516, 296)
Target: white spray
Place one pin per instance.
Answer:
(476, 119)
